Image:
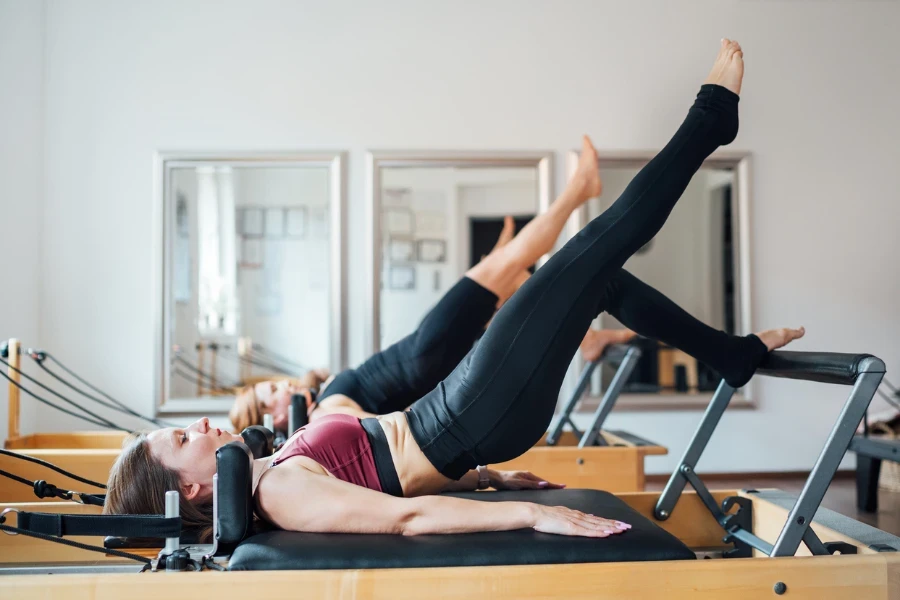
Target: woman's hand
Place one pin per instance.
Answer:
(520, 480)
(560, 520)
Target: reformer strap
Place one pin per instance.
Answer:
(140, 526)
(42, 489)
(19, 531)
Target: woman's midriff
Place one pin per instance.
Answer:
(417, 475)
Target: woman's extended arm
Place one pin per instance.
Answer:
(294, 498)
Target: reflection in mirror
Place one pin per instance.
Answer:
(437, 217)
(252, 270)
(696, 260)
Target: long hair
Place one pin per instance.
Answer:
(138, 484)
(246, 410)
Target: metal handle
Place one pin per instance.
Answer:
(172, 510)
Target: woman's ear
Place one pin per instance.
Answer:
(190, 490)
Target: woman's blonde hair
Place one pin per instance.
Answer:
(138, 483)
(246, 410)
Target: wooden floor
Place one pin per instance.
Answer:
(841, 496)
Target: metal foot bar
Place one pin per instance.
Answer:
(565, 417)
(592, 433)
(674, 487)
(627, 357)
(864, 372)
(871, 371)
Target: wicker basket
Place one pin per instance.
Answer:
(889, 478)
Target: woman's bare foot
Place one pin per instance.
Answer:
(728, 70)
(596, 341)
(587, 174)
(507, 233)
(777, 338)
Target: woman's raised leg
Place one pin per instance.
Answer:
(505, 269)
(498, 402)
(648, 312)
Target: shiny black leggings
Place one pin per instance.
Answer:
(499, 400)
(400, 374)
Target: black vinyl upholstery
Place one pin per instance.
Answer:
(233, 496)
(287, 550)
(825, 367)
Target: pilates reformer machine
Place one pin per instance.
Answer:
(759, 543)
(591, 458)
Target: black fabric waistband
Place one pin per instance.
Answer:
(381, 452)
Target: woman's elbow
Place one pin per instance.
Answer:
(410, 521)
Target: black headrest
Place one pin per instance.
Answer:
(233, 513)
(825, 367)
(298, 405)
(260, 440)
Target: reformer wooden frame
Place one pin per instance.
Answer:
(867, 574)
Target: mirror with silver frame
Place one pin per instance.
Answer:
(250, 263)
(433, 215)
(700, 259)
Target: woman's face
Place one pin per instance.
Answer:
(192, 452)
(274, 397)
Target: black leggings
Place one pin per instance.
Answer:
(500, 399)
(399, 375)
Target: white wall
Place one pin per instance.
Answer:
(21, 164)
(818, 112)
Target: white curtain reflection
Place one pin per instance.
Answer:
(217, 290)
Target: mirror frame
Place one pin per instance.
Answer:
(164, 162)
(740, 163)
(378, 160)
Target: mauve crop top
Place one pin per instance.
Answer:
(338, 443)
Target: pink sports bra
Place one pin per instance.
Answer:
(338, 443)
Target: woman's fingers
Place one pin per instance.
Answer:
(607, 525)
(566, 521)
(539, 482)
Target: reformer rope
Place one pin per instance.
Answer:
(104, 424)
(52, 467)
(43, 489)
(112, 404)
(202, 374)
(271, 354)
(17, 531)
(107, 422)
(234, 355)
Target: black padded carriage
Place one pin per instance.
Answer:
(287, 550)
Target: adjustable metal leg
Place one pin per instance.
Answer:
(564, 417)
(592, 433)
(826, 466)
(691, 456)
